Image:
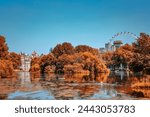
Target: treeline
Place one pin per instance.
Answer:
(8, 60)
(136, 56)
(65, 58)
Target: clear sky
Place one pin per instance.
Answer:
(30, 25)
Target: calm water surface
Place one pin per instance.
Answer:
(77, 87)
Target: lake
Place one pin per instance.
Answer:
(113, 86)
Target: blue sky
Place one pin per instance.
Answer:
(30, 25)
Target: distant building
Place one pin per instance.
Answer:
(108, 46)
(102, 50)
(117, 44)
(111, 47)
(25, 62)
(34, 54)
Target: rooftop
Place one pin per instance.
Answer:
(118, 42)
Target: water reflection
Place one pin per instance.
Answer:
(25, 79)
(142, 85)
(75, 86)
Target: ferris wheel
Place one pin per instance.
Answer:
(128, 34)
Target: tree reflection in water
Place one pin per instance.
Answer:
(80, 86)
(142, 85)
(75, 86)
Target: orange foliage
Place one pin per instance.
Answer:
(107, 57)
(65, 48)
(136, 56)
(47, 60)
(65, 59)
(75, 68)
(6, 68)
(8, 61)
(123, 55)
(15, 58)
(35, 68)
(50, 69)
(93, 63)
(85, 48)
(141, 58)
(3, 48)
(83, 61)
(143, 44)
(35, 64)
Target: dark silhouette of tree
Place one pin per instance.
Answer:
(136, 65)
(141, 58)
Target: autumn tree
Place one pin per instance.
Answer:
(6, 68)
(93, 63)
(107, 57)
(64, 58)
(136, 65)
(65, 48)
(47, 60)
(123, 55)
(15, 58)
(3, 48)
(141, 59)
(35, 68)
(6, 62)
(43, 63)
(75, 68)
(35, 64)
(11, 56)
(85, 48)
(136, 56)
(83, 62)
(142, 45)
(35, 60)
